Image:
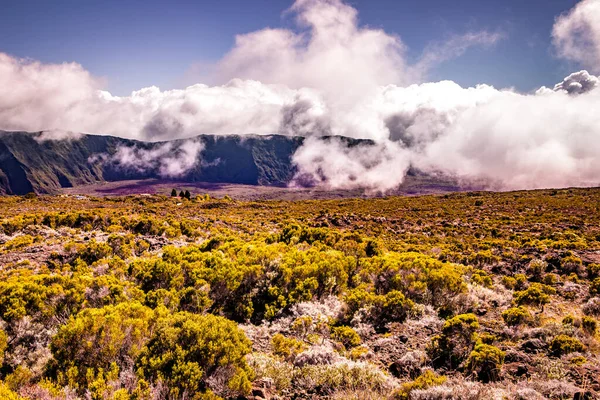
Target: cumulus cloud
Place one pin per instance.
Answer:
(577, 83)
(576, 34)
(330, 76)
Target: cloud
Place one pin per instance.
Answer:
(169, 160)
(518, 141)
(576, 35)
(335, 163)
(57, 135)
(455, 46)
(578, 83)
(330, 76)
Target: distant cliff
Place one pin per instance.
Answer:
(31, 162)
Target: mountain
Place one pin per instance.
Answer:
(33, 162)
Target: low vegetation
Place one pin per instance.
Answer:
(184, 296)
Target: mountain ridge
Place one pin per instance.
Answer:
(31, 162)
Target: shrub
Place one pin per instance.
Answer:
(482, 278)
(392, 307)
(3, 345)
(455, 342)
(595, 287)
(485, 360)
(536, 294)
(564, 344)
(516, 316)
(593, 271)
(536, 269)
(19, 242)
(589, 325)
(509, 282)
(7, 394)
(426, 380)
(186, 350)
(95, 339)
(285, 347)
(568, 320)
(346, 335)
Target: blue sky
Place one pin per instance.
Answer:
(134, 44)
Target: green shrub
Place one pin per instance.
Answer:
(509, 282)
(3, 345)
(424, 381)
(564, 344)
(346, 335)
(536, 294)
(485, 360)
(185, 350)
(593, 271)
(589, 324)
(96, 338)
(7, 394)
(595, 287)
(285, 347)
(516, 316)
(456, 341)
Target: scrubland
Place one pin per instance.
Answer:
(456, 296)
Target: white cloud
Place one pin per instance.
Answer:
(169, 160)
(331, 162)
(578, 83)
(576, 34)
(330, 77)
(57, 135)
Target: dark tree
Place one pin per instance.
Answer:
(187, 195)
(181, 194)
(174, 193)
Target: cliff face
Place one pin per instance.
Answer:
(28, 163)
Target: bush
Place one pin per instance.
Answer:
(516, 316)
(509, 282)
(186, 350)
(536, 294)
(455, 342)
(426, 380)
(589, 324)
(392, 307)
(97, 338)
(3, 345)
(346, 335)
(564, 344)
(287, 348)
(595, 287)
(485, 360)
(7, 394)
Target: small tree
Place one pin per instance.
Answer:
(174, 193)
(181, 194)
(187, 195)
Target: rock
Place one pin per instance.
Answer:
(516, 370)
(533, 346)
(583, 396)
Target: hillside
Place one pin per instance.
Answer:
(460, 296)
(29, 163)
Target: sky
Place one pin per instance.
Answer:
(497, 91)
(134, 44)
